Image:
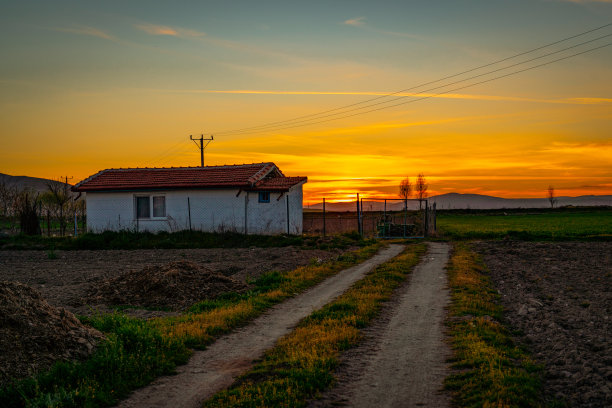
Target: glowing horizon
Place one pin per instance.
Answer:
(117, 85)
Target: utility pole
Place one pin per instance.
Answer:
(201, 145)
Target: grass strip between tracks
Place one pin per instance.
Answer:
(301, 364)
(492, 370)
(136, 351)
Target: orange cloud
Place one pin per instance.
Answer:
(154, 29)
(90, 31)
(359, 21)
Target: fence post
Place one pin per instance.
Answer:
(405, 215)
(287, 199)
(426, 233)
(246, 212)
(435, 219)
(361, 208)
(385, 220)
(189, 212)
(358, 217)
(323, 216)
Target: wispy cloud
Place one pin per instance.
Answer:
(357, 22)
(84, 30)
(570, 101)
(588, 1)
(154, 29)
(361, 23)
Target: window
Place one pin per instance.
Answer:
(264, 196)
(144, 204)
(159, 206)
(143, 210)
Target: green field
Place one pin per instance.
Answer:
(593, 224)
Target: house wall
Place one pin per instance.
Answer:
(211, 210)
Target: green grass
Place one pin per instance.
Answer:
(133, 354)
(544, 225)
(136, 351)
(493, 371)
(176, 240)
(302, 363)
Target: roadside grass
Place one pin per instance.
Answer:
(133, 354)
(592, 225)
(176, 240)
(492, 370)
(137, 351)
(301, 364)
(208, 319)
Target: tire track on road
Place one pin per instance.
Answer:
(215, 368)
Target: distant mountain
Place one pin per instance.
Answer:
(36, 184)
(452, 201)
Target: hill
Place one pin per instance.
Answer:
(472, 201)
(36, 184)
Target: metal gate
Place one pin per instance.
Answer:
(397, 218)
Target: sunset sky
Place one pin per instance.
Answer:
(90, 85)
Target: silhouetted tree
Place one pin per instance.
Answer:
(405, 190)
(421, 189)
(8, 197)
(60, 197)
(28, 217)
(551, 196)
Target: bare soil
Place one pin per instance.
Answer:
(559, 297)
(401, 361)
(215, 368)
(66, 278)
(175, 285)
(33, 334)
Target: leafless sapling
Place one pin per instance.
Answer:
(421, 188)
(551, 196)
(405, 190)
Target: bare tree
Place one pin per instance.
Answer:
(551, 196)
(28, 216)
(60, 197)
(8, 195)
(405, 190)
(421, 189)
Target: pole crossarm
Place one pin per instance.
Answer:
(201, 145)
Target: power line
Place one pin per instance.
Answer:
(446, 92)
(307, 121)
(316, 116)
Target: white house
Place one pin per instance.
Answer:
(249, 198)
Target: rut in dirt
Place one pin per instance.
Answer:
(402, 360)
(215, 368)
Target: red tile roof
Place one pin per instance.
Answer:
(279, 183)
(246, 176)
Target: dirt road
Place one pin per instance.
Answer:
(216, 367)
(402, 360)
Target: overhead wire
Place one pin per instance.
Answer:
(302, 121)
(308, 122)
(445, 92)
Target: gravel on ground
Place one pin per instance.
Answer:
(402, 360)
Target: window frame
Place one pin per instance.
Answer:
(262, 197)
(151, 208)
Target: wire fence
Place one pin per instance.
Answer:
(380, 218)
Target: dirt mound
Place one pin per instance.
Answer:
(33, 334)
(176, 285)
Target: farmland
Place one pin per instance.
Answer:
(529, 317)
(575, 224)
